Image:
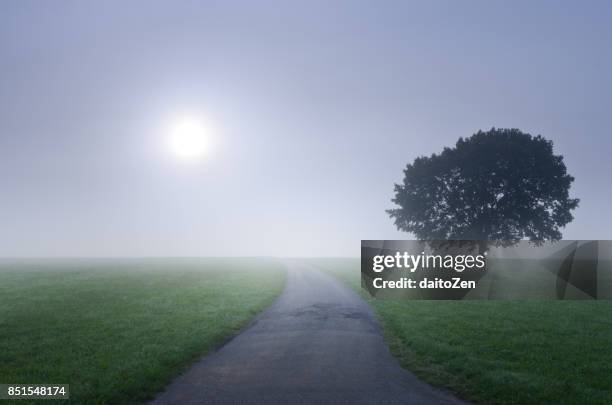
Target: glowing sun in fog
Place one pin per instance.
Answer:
(188, 139)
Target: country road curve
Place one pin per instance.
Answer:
(318, 343)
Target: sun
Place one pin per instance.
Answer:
(189, 139)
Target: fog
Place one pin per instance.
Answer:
(316, 107)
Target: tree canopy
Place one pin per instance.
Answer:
(501, 185)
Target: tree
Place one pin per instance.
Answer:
(501, 186)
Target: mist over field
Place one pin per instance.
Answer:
(185, 187)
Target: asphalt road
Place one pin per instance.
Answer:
(319, 343)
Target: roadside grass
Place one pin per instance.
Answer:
(117, 331)
(499, 352)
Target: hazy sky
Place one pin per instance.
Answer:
(316, 108)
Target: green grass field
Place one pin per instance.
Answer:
(501, 352)
(118, 330)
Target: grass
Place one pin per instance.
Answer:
(500, 352)
(117, 331)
